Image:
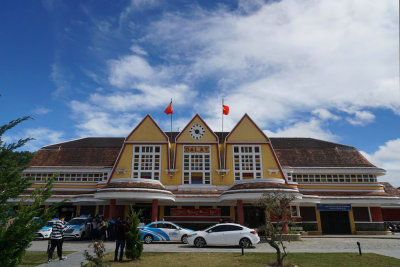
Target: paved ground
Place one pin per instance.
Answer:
(384, 245)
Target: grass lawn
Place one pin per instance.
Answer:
(255, 259)
(34, 258)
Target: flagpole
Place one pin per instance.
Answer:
(170, 160)
(222, 131)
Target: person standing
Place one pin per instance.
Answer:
(57, 238)
(122, 228)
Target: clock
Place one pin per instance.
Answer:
(197, 131)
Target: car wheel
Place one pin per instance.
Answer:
(200, 242)
(245, 243)
(148, 239)
(184, 239)
(82, 236)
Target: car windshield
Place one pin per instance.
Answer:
(49, 224)
(77, 222)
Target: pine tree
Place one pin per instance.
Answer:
(17, 224)
(134, 246)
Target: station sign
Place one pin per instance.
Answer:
(334, 207)
(196, 149)
(195, 212)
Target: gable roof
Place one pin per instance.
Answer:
(190, 122)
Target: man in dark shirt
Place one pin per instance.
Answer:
(56, 238)
(122, 228)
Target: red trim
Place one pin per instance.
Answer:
(116, 164)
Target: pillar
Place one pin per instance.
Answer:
(232, 213)
(126, 212)
(111, 210)
(318, 217)
(161, 215)
(352, 224)
(239, 207)
(154, 210)
(78, 210)
(97, 210)
(285, 226)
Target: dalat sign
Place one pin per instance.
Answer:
(195, 212)
(197, 149)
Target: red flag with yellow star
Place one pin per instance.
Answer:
(225, 110)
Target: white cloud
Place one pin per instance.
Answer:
(94, 121)
(361, 118)
(41, 111)
(42, 136)
(313, 128)
(388, 158)
(128, 69)
(324, 114)
(290, 56)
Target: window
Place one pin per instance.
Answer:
(219, 228)
(196, 165)
(294, 211)
(146, 162)
(247, 162)
(233, 228)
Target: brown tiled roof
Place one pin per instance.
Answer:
(135, 185)
(259, 185)
(390, 189)
(308, 152)
(342, 193)
(74, 156)
(291, 152)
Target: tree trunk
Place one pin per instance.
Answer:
(278, 253)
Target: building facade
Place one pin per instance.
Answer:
(197, 177)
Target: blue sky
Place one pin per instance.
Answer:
(322, 69)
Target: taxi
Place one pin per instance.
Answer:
(163, 231)
(45, 231)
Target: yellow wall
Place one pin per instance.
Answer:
(246, 131)
(186, 137)
(147, 130)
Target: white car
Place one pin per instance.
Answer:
(45, 231)
(224, 234)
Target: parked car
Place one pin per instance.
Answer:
(224, 234)
(45, 231)
(77, 228)
(163, 231)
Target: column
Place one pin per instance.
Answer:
(154, 210)
(232, 213)
(352, 224)
(285, 226)
(161, 215)
(239, 207)
(78, 210)
(96, 211)
(111, 210)
(318, 217)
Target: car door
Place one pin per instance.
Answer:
(232, 234)
(214, 236)
(172, 231)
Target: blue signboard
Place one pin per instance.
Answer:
(333, 207)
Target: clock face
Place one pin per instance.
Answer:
(197, 131)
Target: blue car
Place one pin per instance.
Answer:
(163, 231)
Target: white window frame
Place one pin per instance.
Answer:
(190, 171)
(153, 171)
(240, 153)
(297, 211)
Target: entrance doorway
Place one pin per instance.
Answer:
(253, 216)
(335, 222)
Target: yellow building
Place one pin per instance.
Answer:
(200, 177)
